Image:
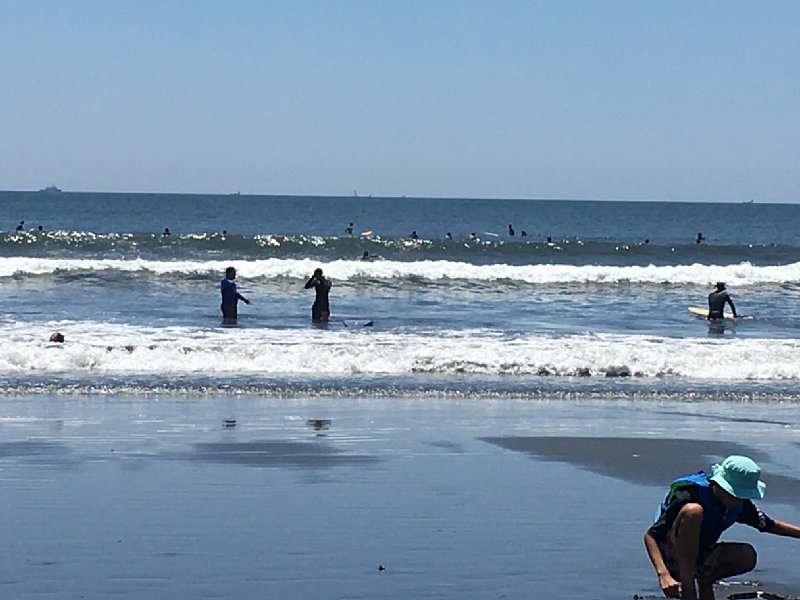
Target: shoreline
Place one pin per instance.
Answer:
(434, 387)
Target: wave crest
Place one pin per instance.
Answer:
(741, 274)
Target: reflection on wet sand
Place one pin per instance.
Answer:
(281, 453)
(649, 461)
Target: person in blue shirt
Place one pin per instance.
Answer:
(683, 543)
(230, 297)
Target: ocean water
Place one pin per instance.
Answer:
(593, 300)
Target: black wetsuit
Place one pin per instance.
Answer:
(230, 299)
(322, 287)
(716, 304)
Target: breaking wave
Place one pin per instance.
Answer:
(741, 274)
(97, 349)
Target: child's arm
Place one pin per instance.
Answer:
(785, 529)
(669, 586)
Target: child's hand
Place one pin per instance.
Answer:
(670, 587)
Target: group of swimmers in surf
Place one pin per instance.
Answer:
(511, 232)
(320, 310)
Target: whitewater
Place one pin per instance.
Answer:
(741, 274)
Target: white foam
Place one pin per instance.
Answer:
(98, 348)
(740, 274)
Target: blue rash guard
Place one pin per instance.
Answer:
(697, 489)
(230, 298)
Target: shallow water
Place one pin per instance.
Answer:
(236, 496)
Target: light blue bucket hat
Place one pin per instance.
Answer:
(739, 476)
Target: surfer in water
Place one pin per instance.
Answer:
(230, 297)
(683, 542)
(320, 311)
(717, 300)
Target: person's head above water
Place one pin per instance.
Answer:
(317, 272)
(57, 337)
(230, 272)
(720, 285)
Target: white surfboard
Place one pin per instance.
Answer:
(703, 312)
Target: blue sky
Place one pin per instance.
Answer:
(561, 99)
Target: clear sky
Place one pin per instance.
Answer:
(638, 99)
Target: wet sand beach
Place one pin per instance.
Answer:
(257, 497)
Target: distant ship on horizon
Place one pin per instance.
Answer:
(50, 189)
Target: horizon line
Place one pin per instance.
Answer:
(43, 192)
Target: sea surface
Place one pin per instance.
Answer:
(591, 301)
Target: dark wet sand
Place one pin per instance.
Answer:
(150, 498)
(647, 461)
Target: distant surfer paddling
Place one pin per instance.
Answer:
(230, 297)
(320, 311)
(717, 300)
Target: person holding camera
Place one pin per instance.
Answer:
(320, 311)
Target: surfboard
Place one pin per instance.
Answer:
(703, 312)
(353, 323)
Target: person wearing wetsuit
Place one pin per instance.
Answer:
(717, 300)
(683, 542)
(320, 311)
(230, 297)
